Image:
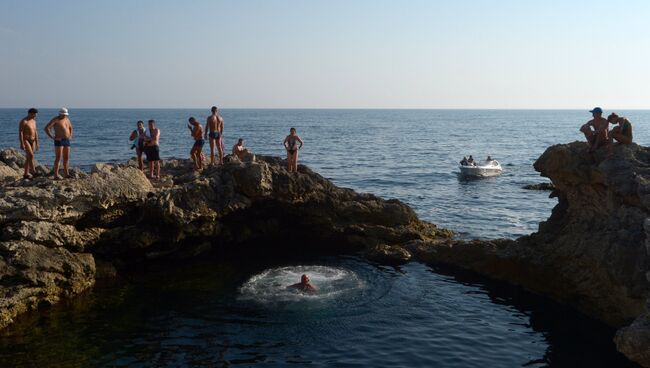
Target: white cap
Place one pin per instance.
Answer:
(63, 111)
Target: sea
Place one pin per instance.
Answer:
(225, 313)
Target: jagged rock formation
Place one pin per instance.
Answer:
(591, 253)
(58, 237)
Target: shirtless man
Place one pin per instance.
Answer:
(622, 133)
(28, 137)
(304, 285)
(595, 130)
(238, 149)
(152, 150)
(62, 134)
(197, 133)
(214, 129)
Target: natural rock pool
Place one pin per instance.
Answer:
(210, 313)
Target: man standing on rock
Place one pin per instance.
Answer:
(62, 134)
(595, 130)
(28, 137)
(214, 129)
(152, 150)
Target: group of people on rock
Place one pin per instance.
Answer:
(145, 142)
(597, 131)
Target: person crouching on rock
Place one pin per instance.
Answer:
(197, 149)
(595, 130)
(239, 150)
(304, 285)
(137, 137)
(28, 137)
(152, 150)
(291, 145)
(622, 133)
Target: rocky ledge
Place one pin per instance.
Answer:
(58, 237)
(591, 253)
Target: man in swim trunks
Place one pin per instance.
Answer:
(152, 150)
(197, 133)
(214, 130)
(238, 149)
(62, 134)
(304, 285)
(595, 130)
(28, 137)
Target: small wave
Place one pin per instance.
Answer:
(270, 286)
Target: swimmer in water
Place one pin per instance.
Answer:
(304, 285)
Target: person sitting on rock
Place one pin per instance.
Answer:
(239, 150)
(304, 285)
(595, 130)
(621, 133)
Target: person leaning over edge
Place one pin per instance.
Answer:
(28, 136)
(622, 132)
(62, 135)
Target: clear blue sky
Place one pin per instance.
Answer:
(303, 53)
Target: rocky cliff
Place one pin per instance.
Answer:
(58, 237)
(591, 253)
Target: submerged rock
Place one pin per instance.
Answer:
(539, 186)
(58, 237)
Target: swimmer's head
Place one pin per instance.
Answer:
(304, 279)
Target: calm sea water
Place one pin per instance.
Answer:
(220, 315)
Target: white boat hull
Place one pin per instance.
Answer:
(492, 168)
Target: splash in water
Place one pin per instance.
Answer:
(270, 286)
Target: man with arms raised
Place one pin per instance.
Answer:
(28, 137)
(214, 129)
(595, 130)
(62, 134)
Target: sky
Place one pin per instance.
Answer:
(325, 54)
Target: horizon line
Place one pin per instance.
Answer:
(328, 108)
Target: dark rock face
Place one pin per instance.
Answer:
(591, 253)
(57, 237)
(539, 186)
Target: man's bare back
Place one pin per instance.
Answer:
(62, 127)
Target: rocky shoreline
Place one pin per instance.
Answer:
(59, 237)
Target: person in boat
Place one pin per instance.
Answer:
(470, 161)
(464, 162)
(239, 150)
(489, 158)
(595, 130)
(304, 285)
(137, 137)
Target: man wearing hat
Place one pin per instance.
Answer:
(62, 134)
(595, 130)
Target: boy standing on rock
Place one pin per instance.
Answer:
(152, 150)
(28, 137)
(595, 130)
(214, 129)
(197, 148)
(62, 135)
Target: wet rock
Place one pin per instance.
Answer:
(634, 340)
(539, 186)
(389, 254)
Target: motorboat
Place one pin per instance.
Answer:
(481, 169)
